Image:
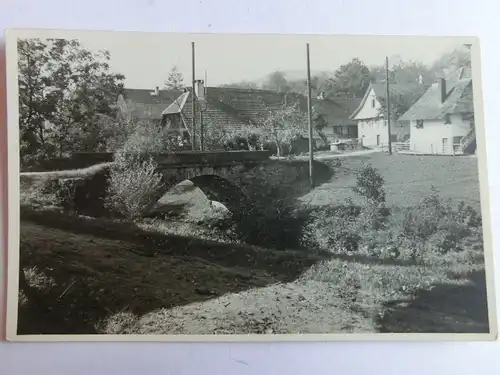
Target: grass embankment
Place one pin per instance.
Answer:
(113, 267)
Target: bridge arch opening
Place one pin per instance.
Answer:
(219, 190)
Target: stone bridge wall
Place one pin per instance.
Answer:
(241, 181)
(242, 185)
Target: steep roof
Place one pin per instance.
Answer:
(459, 99)
(410, 90)
(177, 104)
(143, 104)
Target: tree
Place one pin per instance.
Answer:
(352, 79)
(401, 99)
(63, 89)
(276, 81)
(175, 80)
(283, 125)
(403, 72)
(319, 123)
(451, 61)
(241, 85)
(320, 83)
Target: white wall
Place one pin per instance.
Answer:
(369, 129)
(429, 139)
(368, 110)
(371, 124)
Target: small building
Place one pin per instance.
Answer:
(144, 104)
(442, 120)
(370, 115)
(339, 126)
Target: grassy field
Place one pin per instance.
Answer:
(104, 277)
(407, 179)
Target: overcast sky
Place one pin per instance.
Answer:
(145, 59)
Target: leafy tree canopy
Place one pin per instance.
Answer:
(64, 90)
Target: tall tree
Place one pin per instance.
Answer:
(276, 81)
(352, 79)
(175, 80)
(63, 89)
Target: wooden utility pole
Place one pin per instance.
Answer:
(309, 110)
(388, 109)
(202, 108)
(201, 129)
(193, 103)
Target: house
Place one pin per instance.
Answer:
(339, 126)
(442, 120)
(372, 124)
(143, 104)
(237, 109)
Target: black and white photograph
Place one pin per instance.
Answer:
(251, 187)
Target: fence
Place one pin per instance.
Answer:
(401, 146)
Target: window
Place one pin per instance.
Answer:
(447, 120)
(420, 124)
(373, 103)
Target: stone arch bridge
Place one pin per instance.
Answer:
(241, 180)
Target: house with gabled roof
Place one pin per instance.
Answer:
(337, 111)
(144, 104)
(371, 119)
(442, 120)
(236, 109)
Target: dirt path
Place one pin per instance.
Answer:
(297, 307)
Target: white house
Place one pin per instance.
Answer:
(372, 124)
(442, 120)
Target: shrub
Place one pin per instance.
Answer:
(148, 138)
(237, 142)
(64, 192)
(333, 228)
(370, 185)
(134, 188)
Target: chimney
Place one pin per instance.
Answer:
(199, 89)
(157, 91)
(442, 89)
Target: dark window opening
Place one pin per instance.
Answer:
(420, 124)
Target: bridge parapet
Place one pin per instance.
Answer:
(181, 158)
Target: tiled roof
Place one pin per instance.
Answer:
(459, 99)
(240, 107)
(144, 105)
(214, 113)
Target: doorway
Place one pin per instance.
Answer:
(445, 146)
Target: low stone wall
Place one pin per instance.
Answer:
(182, 157)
